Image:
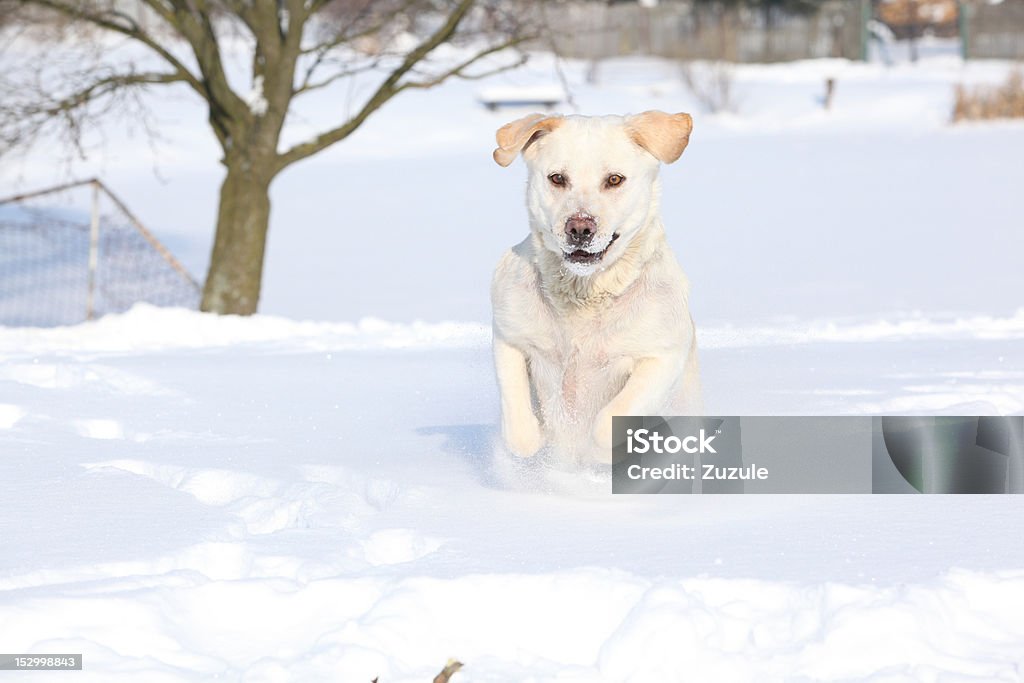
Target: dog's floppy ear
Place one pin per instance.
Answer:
(514, 137)
(663, 135)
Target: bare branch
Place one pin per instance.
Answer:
(192, 19)
(105, 86)
(343, 36)
(163, 10)
(244, 11)
(385, 91)
(109, 20)
(21, 121)
(458, 71)
(351, 30)
(317, 5)
(310, 86)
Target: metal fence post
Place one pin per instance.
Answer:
(94, 247)
(46, 259)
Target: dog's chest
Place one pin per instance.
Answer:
(585, 359)
(584, 367)
(576, 339)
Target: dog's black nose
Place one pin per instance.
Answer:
(579, 230)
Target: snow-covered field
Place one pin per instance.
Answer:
(267, 500)
(192, 498)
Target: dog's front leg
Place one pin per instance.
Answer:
(644, 393)
(520, 427)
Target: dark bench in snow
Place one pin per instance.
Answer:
(545, 96)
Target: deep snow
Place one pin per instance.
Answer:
(187, 497)
(263, 500)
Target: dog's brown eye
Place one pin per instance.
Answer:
(614, 180)
(557, 179)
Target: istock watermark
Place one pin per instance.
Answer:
(644, 440)
(927, 454)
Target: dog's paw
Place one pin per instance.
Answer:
(525, 438)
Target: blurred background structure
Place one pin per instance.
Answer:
(751, 31)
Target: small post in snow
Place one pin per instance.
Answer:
(963, 28)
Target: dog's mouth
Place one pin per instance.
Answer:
(583, 257)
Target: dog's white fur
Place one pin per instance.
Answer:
(577, 344)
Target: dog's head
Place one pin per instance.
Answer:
(593, 181)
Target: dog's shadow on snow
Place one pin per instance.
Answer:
(479, 445)
(474, 444)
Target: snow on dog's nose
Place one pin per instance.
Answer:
(580, 229)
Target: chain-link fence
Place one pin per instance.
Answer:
(75, 252)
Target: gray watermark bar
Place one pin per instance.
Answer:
(41, 662)
(852, 454)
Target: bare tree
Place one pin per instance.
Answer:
(712, 84)
(297, 47)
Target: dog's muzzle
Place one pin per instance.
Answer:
(584, 257)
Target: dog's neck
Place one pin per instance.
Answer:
(568, 290)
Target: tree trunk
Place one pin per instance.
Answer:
(236, 266)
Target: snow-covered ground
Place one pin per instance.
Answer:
(188, 498)
(266, 500)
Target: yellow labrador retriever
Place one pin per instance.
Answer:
(590, 311)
